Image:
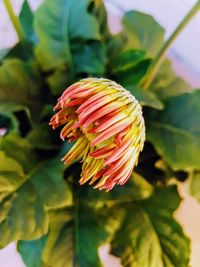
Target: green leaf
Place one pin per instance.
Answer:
(142, 32)
(175, 131)
(29, 189)
(42, 137)
(26, 18)
(167, 83)
(73, 240)
(134, 74)
(25, 156)
(33, 223)
(54, 43)
(126, 59)
(88, 236)
(20, 85)
(136, 188)
(31, 252)
(11, 173)
(195, 184)
(145, 98)
(128, 67)
(149, 236)
(76, 50)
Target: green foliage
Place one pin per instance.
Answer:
(175, 132)
(55, 221)
(148, 235)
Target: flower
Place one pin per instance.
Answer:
(107, 123)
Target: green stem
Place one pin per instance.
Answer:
(157, 62)
(15, 20)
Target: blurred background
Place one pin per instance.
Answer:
(186, 61)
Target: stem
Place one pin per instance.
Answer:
(157, 62)
(15, 20)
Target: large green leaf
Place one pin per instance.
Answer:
(73, 240)
(76, 233)
(19, 85)
(195, 184)
(69, 41)
(175, 131)
(142, 32)
(27, 190)
(149, 236)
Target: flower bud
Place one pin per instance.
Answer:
(107, 124)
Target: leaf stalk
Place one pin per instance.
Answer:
(15, 20)
(157, 62)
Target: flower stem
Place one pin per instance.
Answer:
(157, 62)
(15, 20)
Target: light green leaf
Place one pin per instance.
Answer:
(11, 173)
(25, 156)
(26, 191)
(167, 83)
(142, 32)
(145, 98)
(195, 184)
(149, 236)
(175, 131)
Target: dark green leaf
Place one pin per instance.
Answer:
(26, 18)
(175, 131)
(149, 236)
(142, 32)
(76, 50)
(127, 59)
(134, 74)
(54, 43)
(42, 137)
(19, 85)
(31, 252)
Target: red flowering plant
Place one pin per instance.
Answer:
(123, 122)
